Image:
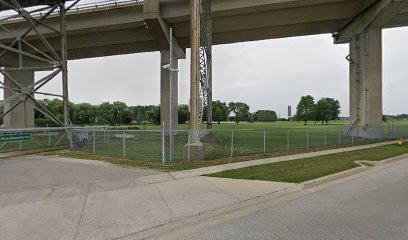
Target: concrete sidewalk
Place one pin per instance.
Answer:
(100, 201)
(61, 198)
(237, 165)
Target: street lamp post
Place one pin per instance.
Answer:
(171, 69)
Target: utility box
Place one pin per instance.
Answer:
(80, 139)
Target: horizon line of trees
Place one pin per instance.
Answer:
(118, 113)
(324, 110)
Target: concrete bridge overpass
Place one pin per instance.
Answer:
(142, 26)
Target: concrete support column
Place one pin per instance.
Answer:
(165, 91)
(366, 84)
(21, 116)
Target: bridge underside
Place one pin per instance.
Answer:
(132, 28)
(122, 29)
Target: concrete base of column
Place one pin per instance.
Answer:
(194, 152)
(373, 132)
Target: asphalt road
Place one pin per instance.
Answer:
(374, 206)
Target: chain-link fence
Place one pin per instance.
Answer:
(36, 139)
(154, 146)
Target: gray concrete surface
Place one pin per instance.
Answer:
(373, 206)
(62, 198)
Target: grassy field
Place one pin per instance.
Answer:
(301, 170)
(262, 125)
(248, 139)
(255, 125)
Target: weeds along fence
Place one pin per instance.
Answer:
(153, 145)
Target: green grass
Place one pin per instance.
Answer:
(262, 125)
(301, 170)
(182, 165)
(248, 140)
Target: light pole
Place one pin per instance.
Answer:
(171, 69)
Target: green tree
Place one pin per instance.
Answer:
(323, 111)
(305, 109)
(121, 113)
(241, 111)
(334, 108)
(183, 113)
(220, 111)
(154, 115)
(84, 113)
(265, 116)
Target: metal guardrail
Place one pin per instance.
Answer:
(81, 7)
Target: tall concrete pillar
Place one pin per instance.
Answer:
(366, 84)
(21, 116)
(165, 91)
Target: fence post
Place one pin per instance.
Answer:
(164, 145)
(21, 143)
(108, 135)
(288, 139)
(71, 135)
(49, 136)
(307, 138)
(264, 139)
(389, 130)
(399, 132)
(124, 144)
(232, 143)
(325, 137)
(104, 135)
(94, 142)
(352, 139)
(340, 137)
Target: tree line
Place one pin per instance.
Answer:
(324, 110)
(118, 113)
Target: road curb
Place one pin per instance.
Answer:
(333, 177)
(363, 167)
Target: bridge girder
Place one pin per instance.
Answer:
(377, 16)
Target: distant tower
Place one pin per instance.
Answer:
(289, 111)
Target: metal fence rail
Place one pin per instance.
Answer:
(38, 139)
(153, 145)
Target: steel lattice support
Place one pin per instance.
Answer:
(206, 59)
(42, 56)
(201, 71)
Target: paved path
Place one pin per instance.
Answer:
(60, 198)
(237, 165)
(373, 206)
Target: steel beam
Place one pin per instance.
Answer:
(26, 57)
(376, 16)
(64, 63)
(195, 114)
(159, 29)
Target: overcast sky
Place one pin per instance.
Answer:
(268, 74)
